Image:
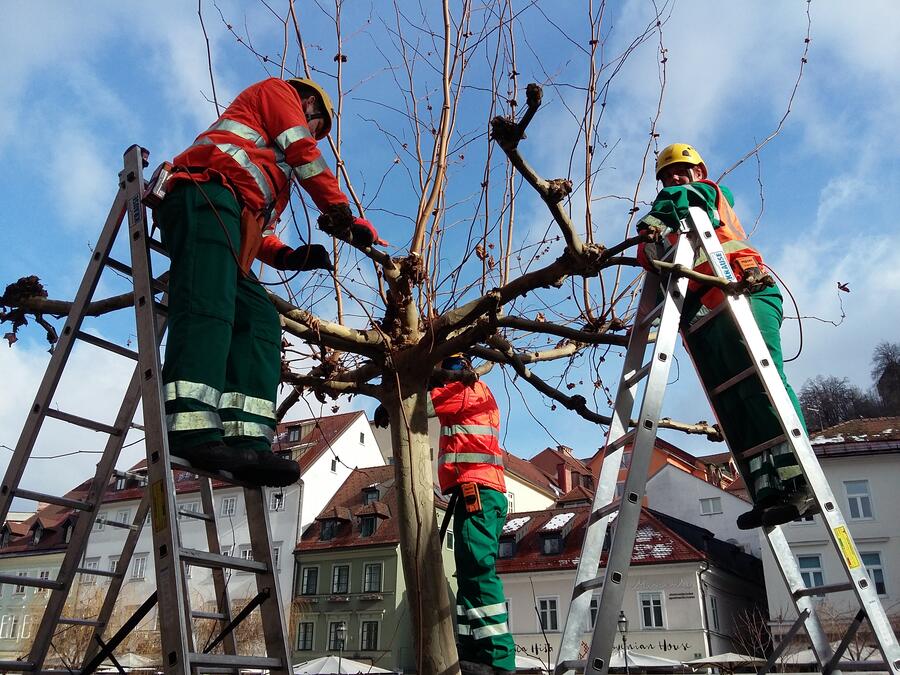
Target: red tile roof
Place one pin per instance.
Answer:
(52, 518)
(549, 458)
(655, 543)
(576, 494)
(525, 470)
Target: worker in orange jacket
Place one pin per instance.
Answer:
(745, 414)
(224, 196)
(470, 465)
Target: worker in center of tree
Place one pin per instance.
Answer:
(745, 414)
(470, 465)
(224, 196)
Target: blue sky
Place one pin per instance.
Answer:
(80, 84)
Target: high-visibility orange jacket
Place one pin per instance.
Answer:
(256, 145)
(470, 436)
(672, 204)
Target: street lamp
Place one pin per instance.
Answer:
(623, 629)
(340, 635)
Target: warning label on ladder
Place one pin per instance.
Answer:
(847, 548)
(158, 505)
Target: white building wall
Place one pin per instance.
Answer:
(678, 494)
(878, 534)
(21, 608)
(682, 636)
(523, 496)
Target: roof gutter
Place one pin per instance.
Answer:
(704, 619)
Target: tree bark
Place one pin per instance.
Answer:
(420, 547)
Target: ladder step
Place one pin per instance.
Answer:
(52, 499)
(729, 383)
(116, 523)
(653, 315)
(126, 269)
(822, 590)
(706, 318)
(79, 622)
(32, 582)
(83, 422)
(156, 245)
(197, 515)
(234, 660)
(98, 572)
(578, 665)
(217, 616)
(637, 375)
(107, 345)
(603, 511)
(588, 585)
(18, 666)
(756, 449)
(868, 666)
(621, 441)
(215, 560)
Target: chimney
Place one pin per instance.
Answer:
(565, 449)
(563, 477)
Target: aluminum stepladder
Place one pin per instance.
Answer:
(175, 614)
(697, 234)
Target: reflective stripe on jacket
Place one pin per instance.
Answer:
(255, 147)
(470, 436)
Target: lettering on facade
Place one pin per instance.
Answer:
(535, 648)
(657, 646)
(684, 595)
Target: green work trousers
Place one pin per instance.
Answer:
(223, 350)
(746, 415)
(480, 602)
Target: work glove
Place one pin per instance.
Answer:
(337, 221)
(305, 258)
(364, 234)
(381, 417)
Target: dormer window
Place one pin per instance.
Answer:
(367, 526)
(370, 494)
(36, 534)
(551, 544)
(329, 529)
(293, 435)
(67, 532)
(507, 548)
(4, 537)
(121, 482)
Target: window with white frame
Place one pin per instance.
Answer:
(367, 526)
(113, 563)
(19, 588)
(368, 636)
(370, 495)
(43, 575)
(872, 561)
(276, 501)
(858, 499)
(548, 614)
(193, 507)
(506, 548)
(139, 567)
(100, 522)
(309, 583)
(450, 542)
(229, 506)
(710, 506)
(334, 639)
(362, 438)
(714, 611)
(121, 482)
(276, 554)
(14, 627)
(334, 464)
(510, 502)
(27, 626)
(305, 636)
(245, 553)
(811, 570)
(123, 516)
(5, 625)
(187, 571)
(340, 579)
(90, 564)
(293, 434)
(372, 578)
(651, 604)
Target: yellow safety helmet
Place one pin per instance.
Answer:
(678, 153)
(327, 106)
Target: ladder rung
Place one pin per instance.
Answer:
(157, 246)
(621, 441)
(578, 665)
(234, 660)
(822, 590)
(116, 523)
(756, 449)
(604, 511)
(653, 314)
(197, 515)
(98, 572)
(215, 560)
(876, 666)
(637, 375)
(160, 308)
(107, 345)
(118, 266)
(79, 622)
(33, 582)
(52, 499)
(729, 383)
(17, 666)
(217, 616)
(588, 585)
(706, 318)
(83, 422)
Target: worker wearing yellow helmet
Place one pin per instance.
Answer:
(225, 194)
(774, 479)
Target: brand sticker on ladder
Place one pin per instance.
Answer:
(724, 267)
(847, 548)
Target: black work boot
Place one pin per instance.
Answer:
(751, 519)
(216, 456)
(270, 470)
(797, 505)
(474, 668)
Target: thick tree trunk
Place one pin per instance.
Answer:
(420, 548)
